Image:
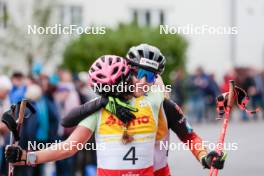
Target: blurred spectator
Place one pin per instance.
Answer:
(66, 95)
(49, 90)
(211, 92)
(196, 85)
(19, 88)
(256, 92)
(5, 87)
(260, 87)
(248, 84)
(178, 88)
(37, 69)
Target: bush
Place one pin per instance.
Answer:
(81, 52)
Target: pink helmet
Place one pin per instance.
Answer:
(107, 70)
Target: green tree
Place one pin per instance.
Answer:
(81, 52)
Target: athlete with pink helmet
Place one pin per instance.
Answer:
(128, 149)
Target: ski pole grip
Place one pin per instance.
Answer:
(231, 93)
(21, 112)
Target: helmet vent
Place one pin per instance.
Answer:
(118, 59)
(131, 55)
(160, 59)
(101, 76)
(98, 65)
(115, 70)
(103, 59)
(110, 60)
(140, 52)
(123, 69)
(151, 55)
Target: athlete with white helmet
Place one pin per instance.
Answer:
(170, 116)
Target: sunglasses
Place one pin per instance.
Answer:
(141, 73)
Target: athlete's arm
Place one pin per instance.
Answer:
(179, 125)
(66, 148)
(79, 113)
(113, 105)
(58, 151)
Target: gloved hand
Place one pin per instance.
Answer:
(9, 117)
(213, 159)
(121, 109)
(13, 153)
(10, 122)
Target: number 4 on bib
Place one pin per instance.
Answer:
(133, 158)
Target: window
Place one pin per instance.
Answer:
(161, 18)
(70, 15)
(135, 17)
(3, 15)
(148, 17)
(76, 15)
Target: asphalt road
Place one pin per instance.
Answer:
(247, 160)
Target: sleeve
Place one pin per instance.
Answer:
(79, 113)
(180, 126)
(91, 121)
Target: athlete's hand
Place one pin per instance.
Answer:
(15, 154)
(120, 109)
(213, 159)
(10, 122)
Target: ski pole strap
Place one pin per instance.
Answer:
(242, 100)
